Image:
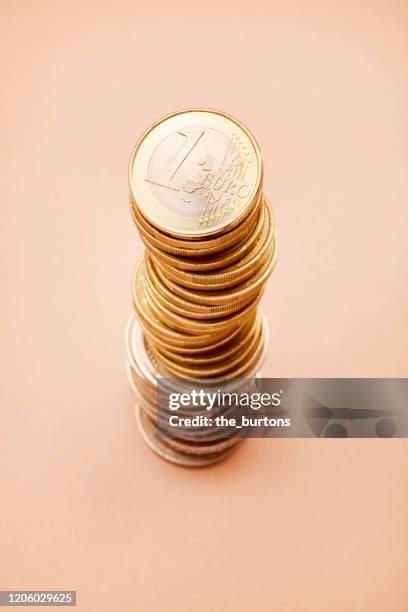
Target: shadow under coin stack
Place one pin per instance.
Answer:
(196, 198)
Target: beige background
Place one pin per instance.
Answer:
(284, 525)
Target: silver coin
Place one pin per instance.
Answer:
(158, 445)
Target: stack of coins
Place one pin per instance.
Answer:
(196, 198)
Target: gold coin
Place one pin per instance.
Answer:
(226, 279)
(243, 291)
(220, 260)
(190, 327)
(211, 356)
(212, 320)
(169, 369)
(194, 248)
(228, 365)
(154, 324)
(182, 350)
(182, 322)
(181, 305)
(200, 303)
(195, 173)
(230, 275)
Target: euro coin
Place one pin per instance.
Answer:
(195, 173)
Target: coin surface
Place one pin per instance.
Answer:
(195, 173)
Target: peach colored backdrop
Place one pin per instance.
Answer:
(302, 526)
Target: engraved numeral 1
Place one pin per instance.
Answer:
(190, 138)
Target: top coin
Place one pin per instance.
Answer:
(195, 173)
